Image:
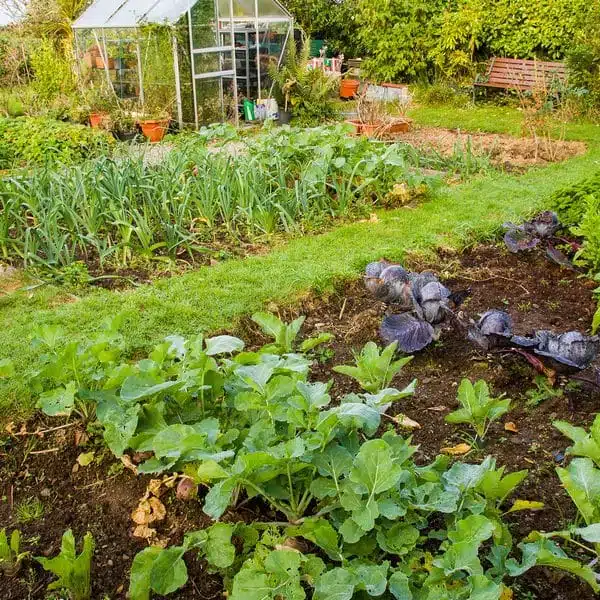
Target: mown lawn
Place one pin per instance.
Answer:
(214, 298)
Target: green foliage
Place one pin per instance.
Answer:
(333, 21)
(479, 409)
(587, 443)
(305, 92)
(418, 39)
(374, 370)
(71, 569)
(38, 141)
(543, 391)
(53, 73)
(115, 211)
(583, 60)
(11, 556)
(163, 571)
(589, 229)
(252, 425)
(570, 202)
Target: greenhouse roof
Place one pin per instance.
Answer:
(132, 13)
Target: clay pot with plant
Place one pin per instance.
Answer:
(374, 118)
(100, 102)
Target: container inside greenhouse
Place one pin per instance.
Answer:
(194, 62)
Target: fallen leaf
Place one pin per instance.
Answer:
(525, 505)
(159, 512)
(86, 458)
(530, 461)
(143, 531)
(438, 408)
(456, 450)
(510, 426)
(404, 421)
(81, 437)
(507, 593)
(10, 428)
(154, 487)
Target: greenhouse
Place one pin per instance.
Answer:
(192, 61)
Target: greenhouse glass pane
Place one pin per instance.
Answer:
(98, 13)
(130, 13)
(168, 11)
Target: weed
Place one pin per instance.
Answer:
(29, 510)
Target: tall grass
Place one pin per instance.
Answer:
(114, 210)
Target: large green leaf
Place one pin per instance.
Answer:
(219, 498)
(544, 552)
(581, 479)
(59, 402)
(139, 582)
(223, 344)
(220, 552)
(137, 387)
(337, 584)
(321, 533)
(374, 468)
(169, 572)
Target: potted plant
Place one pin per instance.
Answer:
(124, 124)
(349, 87)
(100, 101)
(304, 93)
(154, 124)
(374, 118)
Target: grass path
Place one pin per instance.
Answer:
(213, 298)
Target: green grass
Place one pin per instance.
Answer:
(214, 298)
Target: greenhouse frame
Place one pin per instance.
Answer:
(194, 59)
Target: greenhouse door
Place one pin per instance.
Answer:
(213, 64)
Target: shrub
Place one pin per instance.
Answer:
(37, 140)
(422, 38)
(589, 230)
(570, 202)
(53, 76)
(305, 92)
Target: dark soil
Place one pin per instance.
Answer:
(100, 497)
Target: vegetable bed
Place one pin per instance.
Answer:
(80, 485)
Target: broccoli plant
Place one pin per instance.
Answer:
(374, 370)
(72, 570)
(10, 554)
(479, 409)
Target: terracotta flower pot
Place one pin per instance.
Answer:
(401, 125)
(373, 129)
(349, 88)
(97, 119)
(154, 129)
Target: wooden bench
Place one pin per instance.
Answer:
(511, 73)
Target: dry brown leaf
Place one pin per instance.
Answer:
(81, 437)
(154, 487)
(438, 408)
(408, 423)
(510, 426)
(457, 450)
(159, 512)
(143, 531)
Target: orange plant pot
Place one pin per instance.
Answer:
(97, 119)
(349, 88)
(155, 130)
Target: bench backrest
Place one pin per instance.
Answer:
(524, 74)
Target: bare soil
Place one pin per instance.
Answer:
(504, 151)
(100, 497)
